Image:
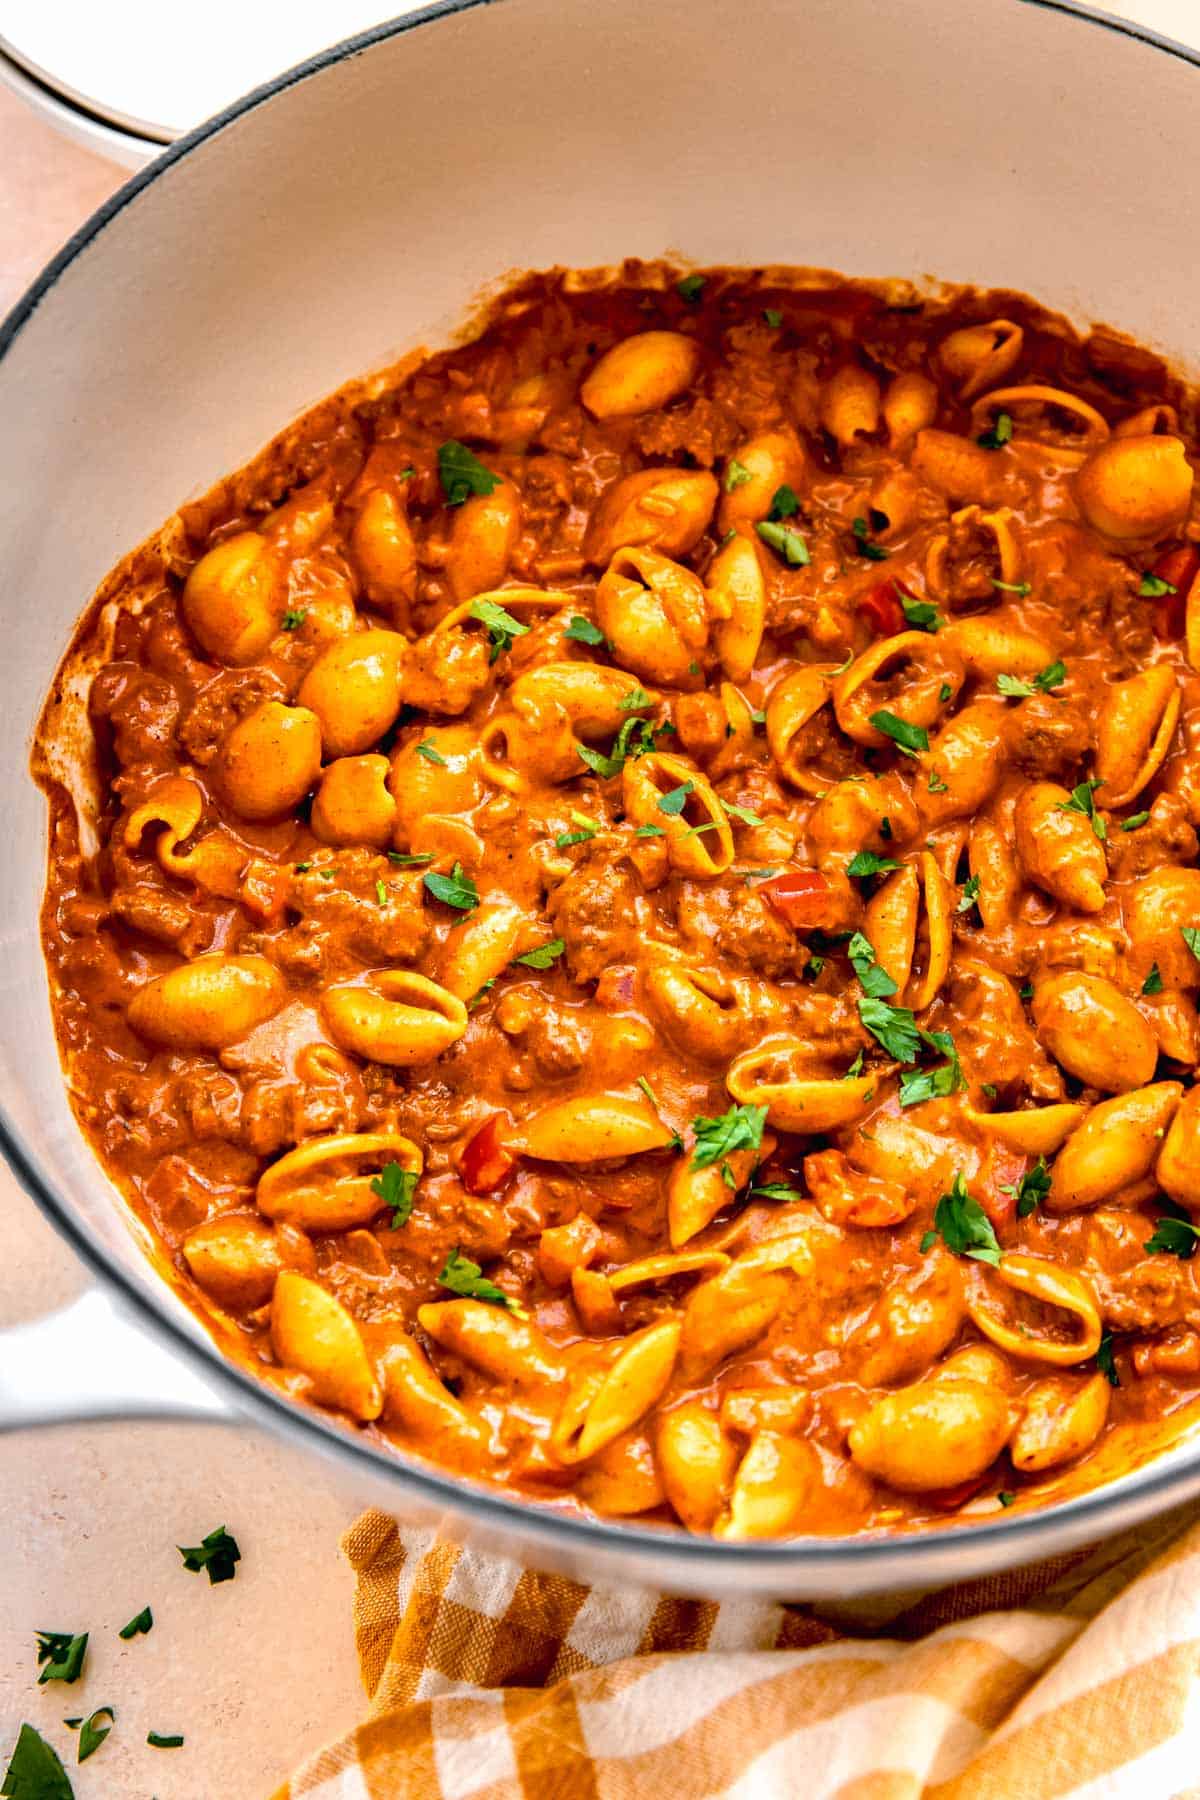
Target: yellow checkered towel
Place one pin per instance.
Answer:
(1080, 1677)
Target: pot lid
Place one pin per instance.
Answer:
(158, 70)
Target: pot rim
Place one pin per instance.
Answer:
(896, 1558)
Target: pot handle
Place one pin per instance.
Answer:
(89, 1361)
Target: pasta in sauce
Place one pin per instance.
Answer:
(645, 931)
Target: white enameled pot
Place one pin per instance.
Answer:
(355, 207)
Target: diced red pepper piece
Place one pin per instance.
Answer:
(486, 1162)
(803, 898)
(1179, 567)
(880, 607)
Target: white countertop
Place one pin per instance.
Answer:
(258, 1671)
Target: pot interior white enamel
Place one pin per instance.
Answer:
(356, 209)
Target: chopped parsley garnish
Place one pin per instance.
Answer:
(919, 613)
(60, 1655)
(934, 1084)
(34, 1771)
(998, 434)
(774, 319)
(741, 813)
(944, 692)
(478, 999)
(1105, 1362)
(855, 1069)
(885, 828)
(785, 502)
(635, 738)
(396, 1187)
(431, 753)
(159, 1740)
(1134, 820)
(408, 862)
(1011, 587)
(649, 831)
(813, 967)
(736, 475)
(582, 631)
(302, 868)
(292, 621)
(1005, 1498)
(1052, 676)
(673, 803)
(92, 1733)
(635, 698)
(908, 739)
(1174, 1236)
(1153, 983)
(1032, 1188)
(604, 766)
(969, 895)
(935, 783)
(894, 1027)
(1153, 587)
(873, 977)
(462, 474)
(137, 1627)
(218, 1553)
(1191, 937)
(456, 889)
(1013, 687)
(502, 628)
(863, 543)
(776, 1190)
(690, 287)
(585, 828)
(741, 1128)
(963, 1226)
(786, 542)
(381, 892)
(865, 862)
(544, 956)
(466, 1278)
(1083, 801)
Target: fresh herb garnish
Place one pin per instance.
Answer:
(919, 613)
(673, 802)
(736, 475)
(740, 1128)
(785, 542)
(998, 434)
(60, 1655)
(776, 1190)
(855, 1069)
(34, 1771)
(635, 698)
(396, 1187)
(873, 977)
(462, 474)
(894, 1027)
(159, 1740)
(381, 892)
(934, 1084)
(1005, 1498)
(963, 1226)
(408, 862)
(218, 1553)
(741, 813)
(502, 628)
(690, 287)
(1013, 687)
(969, 895)
(466, 1278)
(1011, 587)
(292, 621)
(456, 889)
(1153, 587)
(1105, 1362)
(865, 862)
(1153, 983)
(774, 319)
(909, 739)
(431, 753)
(1191, 937)
(544, 956)
(1174, 1236)
(785, 503)
(863, 542)
(1032, 1188)
(1083, 801)
(478, 999)
(1134, 820)
(582, 631)
(92, 1734)
(649, 831)
(138, 1626)
(935, 783)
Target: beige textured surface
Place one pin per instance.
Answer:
(257, 1672)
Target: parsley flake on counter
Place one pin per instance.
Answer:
(456, 889)
(864, 544)
(218, 1553)
(969, 895)
(1153, 587)
(292, 621)
(501, 627)
(785, 542)
(865, 862)
(736, 475)
(138, 1626)
(1173, 1236)
(396, 1187)
(60, 1655)
(92, 1734)
(1153, 983)
(673, 803)
(740, 1128)
(920, 614)
(1105, 1363)
(582, 631)
(430, 752)
(998, 434)
(963, 1226)
(690, 287)
(908, 739)
(544, 956)
(34, 1771)
(462, 474)
(466, 1279)
(159, 1740)
(1083, 800)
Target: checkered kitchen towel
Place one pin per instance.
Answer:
(1078, 1678)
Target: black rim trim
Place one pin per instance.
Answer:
(525, 1519)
